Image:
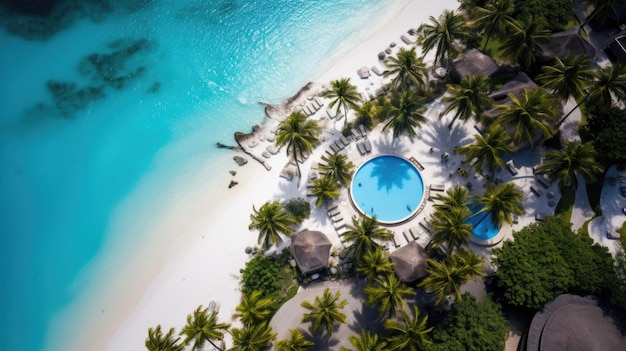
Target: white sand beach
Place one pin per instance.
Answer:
(197, 244)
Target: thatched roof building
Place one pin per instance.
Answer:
(409, 262)
(311, 251)
(568, 42)
(576, 323)
(515, 86)
(474, 62)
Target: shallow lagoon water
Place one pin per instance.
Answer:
(76, 142)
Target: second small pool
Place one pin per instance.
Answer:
(484, 227)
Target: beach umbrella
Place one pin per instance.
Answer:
(311, 251)
(409, 262)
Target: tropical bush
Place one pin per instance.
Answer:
(547, 259)
(298, 207)
(272, 277)
(471, 325)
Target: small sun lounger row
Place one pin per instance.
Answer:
(411, 234)
(338, 145)
(332, 114)
(312, 107)
(364, 147)
(426, 226)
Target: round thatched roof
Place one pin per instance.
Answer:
(409, 262)
(576, 323)
(311, 250)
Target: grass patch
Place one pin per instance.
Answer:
(566, 204)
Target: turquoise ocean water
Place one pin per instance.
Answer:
(90, 112)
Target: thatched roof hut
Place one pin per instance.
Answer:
(568, 42)
(576, 323)
(311, 250)
(474, 62)
(409, 262)
(515, 86)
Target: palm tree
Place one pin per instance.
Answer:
(501, 202)
(610, 83)
(362, 236)
(366, 113)
(299, 135)
(444, 34)
(374, 264)
(571, 160)
(468, 99)
(389, 293)
(343, 94)
(254, 308)
(252, 338)
(339, 167)
(405, 115)
(325, 312)
(454, 197)
(446, 277)
(451, 227)
(488, 149)
(365, 342)
(203, 326)
(156, 341)
(271, 220)
(325, 189)
(495, 17)
(296, 342)
(528, 116)
(569, 77)
(410, 333)
(406, 69)
(473, 264)
(522, 43)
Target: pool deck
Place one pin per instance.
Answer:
(434, 139)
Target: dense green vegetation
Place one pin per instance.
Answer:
(274, 278)
(547, 259)
(468, 321)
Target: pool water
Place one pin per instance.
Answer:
(484, 227)
(389, 187)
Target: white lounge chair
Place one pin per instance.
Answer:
(368, 145)
(536, 190)
(437, 187)
(510, 165)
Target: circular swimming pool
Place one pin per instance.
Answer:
(389, 187)
(484, 227)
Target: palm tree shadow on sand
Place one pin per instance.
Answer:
(321, 342)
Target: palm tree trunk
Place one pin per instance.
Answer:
(295, 159)
(488, 37)
(212, 344)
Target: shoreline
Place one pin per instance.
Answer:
(172, 273)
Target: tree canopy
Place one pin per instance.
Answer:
(547, 259)
(471, 325)
(607, 126)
